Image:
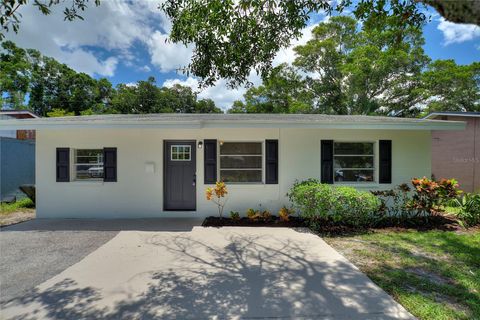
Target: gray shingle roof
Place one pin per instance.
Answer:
(236, 120)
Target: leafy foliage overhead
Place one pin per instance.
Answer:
(10, 18)
(232, 38)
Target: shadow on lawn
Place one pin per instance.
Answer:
(245, 279)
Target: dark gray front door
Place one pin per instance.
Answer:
(179, 175)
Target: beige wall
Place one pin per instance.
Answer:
(140, 194)
(456, 154)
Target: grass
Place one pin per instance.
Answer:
(434, 274)
(20, 205)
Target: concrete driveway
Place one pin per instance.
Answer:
(209, 273)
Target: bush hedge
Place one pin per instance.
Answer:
(323, 203)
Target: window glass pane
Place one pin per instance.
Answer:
(241, 175)
(180, 153)
(88, 164)
(241, 155)
(353, 162)
(241, 148)
(241, 162)
(353, 148)
(342, 175)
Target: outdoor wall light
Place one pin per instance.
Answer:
(200, 144)
(220, 142)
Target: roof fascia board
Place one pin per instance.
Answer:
(42, 124)
(434, 114)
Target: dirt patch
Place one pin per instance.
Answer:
(7, 219)
(431, 276)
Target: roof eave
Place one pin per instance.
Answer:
(42, 123)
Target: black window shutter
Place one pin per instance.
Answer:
(110, 164)
(271, 161)
(327, 161)
(210, 161)
(63, 164)
(385, 161)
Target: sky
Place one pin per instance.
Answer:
(126, 41)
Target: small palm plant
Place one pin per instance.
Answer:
(217, 196)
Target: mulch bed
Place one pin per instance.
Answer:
(294, 222)
(443, 223)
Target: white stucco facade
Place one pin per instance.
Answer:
(139, 193)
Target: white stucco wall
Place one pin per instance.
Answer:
(140, 194)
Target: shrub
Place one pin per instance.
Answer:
(256, 215)
(217, 196)
(266, 215)
(253, 215)
(395, 202)
(469, 209)
(319, 202)
(284, 214)
(234, 215)
(429, 195)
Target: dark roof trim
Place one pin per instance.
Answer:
(13, 112)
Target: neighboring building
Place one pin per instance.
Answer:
(159, 165)
(17, 134)
(17, 155)
(457, 154)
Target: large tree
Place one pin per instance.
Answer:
(345, 70)
(54, 89)
(14, 75)
(284, 91)
(451, 87)
(233, 37)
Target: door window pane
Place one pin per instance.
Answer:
(180, 153)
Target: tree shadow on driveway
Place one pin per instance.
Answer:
(243, 276)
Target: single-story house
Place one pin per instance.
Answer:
(159, 165)
(457, 154)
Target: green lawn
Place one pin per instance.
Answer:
(20, 205)
(434, 274)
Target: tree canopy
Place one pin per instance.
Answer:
(232, 38)
(347, 70)
(29, 80)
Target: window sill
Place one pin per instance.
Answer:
(87, 183)
(358, 185)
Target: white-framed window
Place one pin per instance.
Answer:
(354, 162)
(241, 162)
(180, 153)
(88, 164)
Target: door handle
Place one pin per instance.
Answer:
(194, 183)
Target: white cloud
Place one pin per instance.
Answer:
(457, 33)
(114, 26)
(165, 55)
